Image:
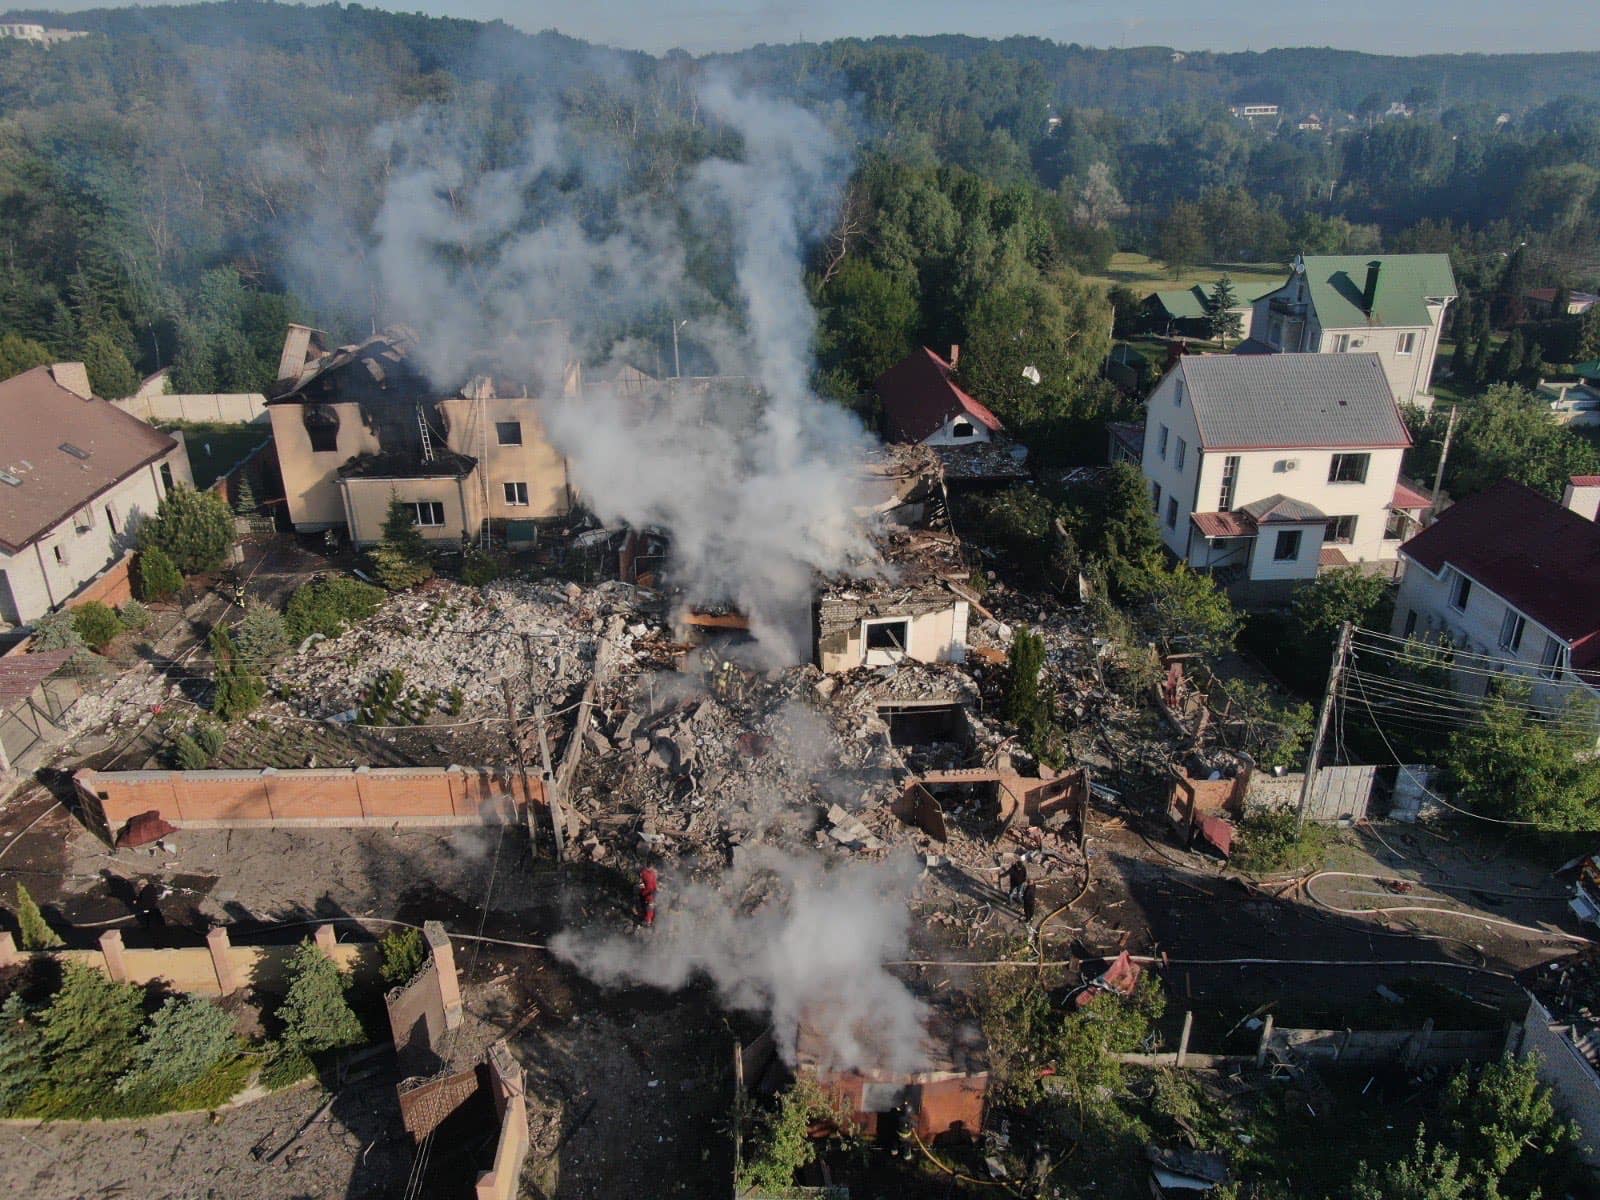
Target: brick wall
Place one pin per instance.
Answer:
(114, 586)
(329, 797)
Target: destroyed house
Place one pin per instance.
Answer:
(359, 425)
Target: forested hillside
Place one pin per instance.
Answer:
(157, 178)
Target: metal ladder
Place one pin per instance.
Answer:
(427, 437)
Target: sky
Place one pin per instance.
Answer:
(1378, 26)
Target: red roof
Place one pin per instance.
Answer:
(21, 673)
(1542, 559)
(1585, 481)
(1332, 556)
(919, 397)
(1406, 496)
(1224, 524)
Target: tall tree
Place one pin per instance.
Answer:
(1180, 238)
(1223, 321)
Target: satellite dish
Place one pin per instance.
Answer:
(1031, 374)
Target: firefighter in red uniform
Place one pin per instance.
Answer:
(647, 897)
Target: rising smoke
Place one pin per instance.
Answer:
(785, 934)
(479, 250)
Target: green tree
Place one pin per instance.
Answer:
(239, 690)
(869, 321)
(155, 576)
(89, 1033)
(1512, 1140)
(111, 375)
(1271, 730)
(1123, 528)
(404, 952)
(400, 560)
(315, 1014)
(187, 754)
(1427, 1173)
(330, 606)
(1512, 764)
(194, 529)
(783, 1144)
(244, 495)
(1223, 322)
(1480, 358)
(1316, 614)
(22, 1065)
(1511, 434)
(262, 636)
(96, 624)
(35, 931)
(56, 631)
(1509, 361)
(135, 616)
(1181, 609)
(1028, 705)
(1588, 346)
(19, 354)
(1180, 238)
(187, 1036)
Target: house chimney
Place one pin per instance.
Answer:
(74, 377)
(955, 355)
(1583, 496)
(1370, 292)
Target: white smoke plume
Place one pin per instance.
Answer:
(479, 250)
(787, 935)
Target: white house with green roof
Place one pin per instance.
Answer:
(1391, 305)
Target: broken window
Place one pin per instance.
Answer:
(428, 512)
(961, 429)
(322, 427)
(516, 493)
(508, 433)
(893, 636)
(1348, 468)
(1341, 531)
(1288, 547)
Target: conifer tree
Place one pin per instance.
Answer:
(36, 931)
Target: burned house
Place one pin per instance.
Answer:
(358, 425)
(917, 611)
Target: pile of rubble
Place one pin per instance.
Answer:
(460, 644)
(125, 705)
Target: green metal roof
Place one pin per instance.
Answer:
(1405, 284)
(1189, 304)
(1588, 370)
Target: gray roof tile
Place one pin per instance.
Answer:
(1288, 401)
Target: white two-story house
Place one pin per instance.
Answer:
(1266, 469)
(1512, 580)
(1391, 305)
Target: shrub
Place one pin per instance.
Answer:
(56, 631)
(261, 636)
(35, 930)
(194, 529)
(382, 698)
(1269, 841)
(286, 1064)
(328, 606)
(155, 575)
(187, 754)
(784, 1143)
(403, 955)
(211, 738)
(185, 1038)
(315, 1014)
(22, 1067)
(96, 624)
(479, 568)
(134, 616)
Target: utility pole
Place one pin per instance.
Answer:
(1444, 453)
(677, 368)
(1340, 653)
(516, 747)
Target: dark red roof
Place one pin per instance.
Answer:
(1224, 524)
(919, 396)
(1585, 481)
(21, 673)
(1535, 555)
(1406, 496)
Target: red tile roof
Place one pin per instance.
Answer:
(1406, 496)
(1332, 556)
(1585, 481)
(1535, 555)
(919, 397)
(21, 673)
(1224, 524)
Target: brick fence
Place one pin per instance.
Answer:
(219, 968)
(328, 798)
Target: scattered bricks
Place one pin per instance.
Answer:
(229, 978)
(111, 948)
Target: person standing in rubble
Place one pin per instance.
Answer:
(1016, 881)
(648, 884)
(1030, 903)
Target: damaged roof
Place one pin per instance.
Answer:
(60, 451)
(379, 364)
(919, 395)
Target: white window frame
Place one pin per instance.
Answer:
(1333, 467)
(499, 433)
(1512, 628)
(516, 494)
(1341, 343)
(1180, 455)
(1161, 443)
(1278, 556)
(877, 656)
(1331, 538)
(1406, 344)
(419, 508)
(1461, 592)
(1550, 661)
(1230, 483)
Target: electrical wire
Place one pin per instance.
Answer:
(1531, 930)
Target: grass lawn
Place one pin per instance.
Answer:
(1144, 274)
(216, 448)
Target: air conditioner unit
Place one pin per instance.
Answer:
(1287, 464)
